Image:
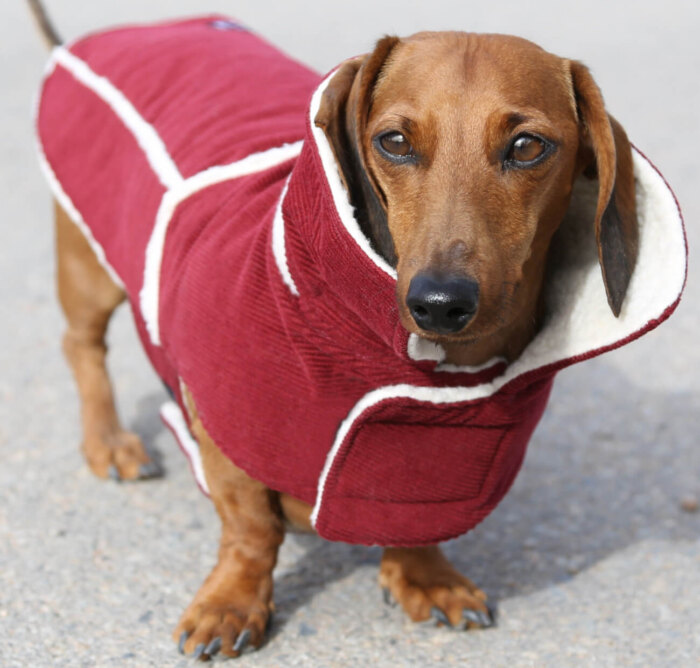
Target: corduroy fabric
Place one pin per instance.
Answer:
(304, 380)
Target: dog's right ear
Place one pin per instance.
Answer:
(343, 115)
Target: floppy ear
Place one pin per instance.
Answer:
(605, 150)
(342, 116)
(331, 118)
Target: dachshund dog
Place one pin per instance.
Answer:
(459, 154)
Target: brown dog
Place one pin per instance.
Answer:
(459, 152)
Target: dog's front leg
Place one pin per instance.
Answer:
(426, 585)
(233, 606)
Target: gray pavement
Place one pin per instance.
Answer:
(591, 557)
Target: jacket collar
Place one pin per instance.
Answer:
(330, 255)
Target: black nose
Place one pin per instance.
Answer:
(442, 305)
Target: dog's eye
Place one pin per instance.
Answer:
(395, 146)
(526, 150)
(395, 143)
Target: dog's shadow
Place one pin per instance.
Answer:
(603, 471)
(318, 564)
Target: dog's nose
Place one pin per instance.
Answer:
(442, 305)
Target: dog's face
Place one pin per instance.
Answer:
(474, 168)
(460, 152)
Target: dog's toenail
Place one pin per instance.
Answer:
(213, 647)
(440, 616)
(486, 619)
(242, 641)
(472, 616)
(183, 639)
(388, 599)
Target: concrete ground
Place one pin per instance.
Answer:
(592, 559)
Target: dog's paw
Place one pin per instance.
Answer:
(119, 455)
(215, 623)
(427, 586)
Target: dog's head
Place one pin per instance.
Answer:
(459, 152)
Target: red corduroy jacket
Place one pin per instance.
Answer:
(187, 154)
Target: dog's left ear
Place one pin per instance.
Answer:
(343, 116)
(606, 150)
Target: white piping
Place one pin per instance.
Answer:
(178, 189)
(60, 194)
(279, 249)
(433, 395)
(149, 296)
(172, 415)
(145, 134)
(67, 205)
(340, 195)
(48, 71)
(255, 162)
